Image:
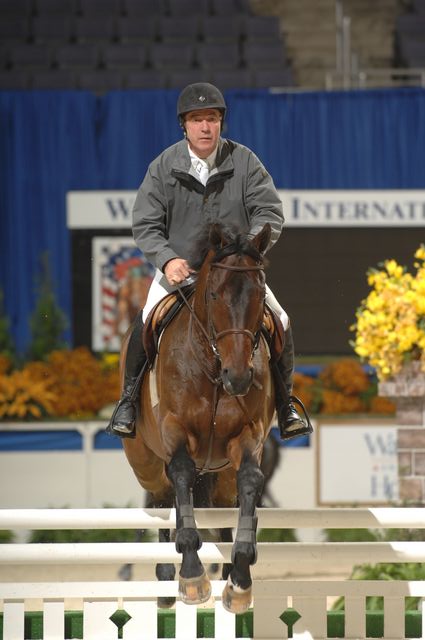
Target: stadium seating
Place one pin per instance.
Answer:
(137, 44)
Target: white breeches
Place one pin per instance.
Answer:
(157, 291)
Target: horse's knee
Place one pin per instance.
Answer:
(181, 469)
(250, 480)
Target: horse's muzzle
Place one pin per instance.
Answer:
(236, 384)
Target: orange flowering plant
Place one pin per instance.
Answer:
(69, 383)
(342, 387)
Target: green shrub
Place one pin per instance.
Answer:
(48, 321)
(6, 536)
(276, 535)
(381, 571)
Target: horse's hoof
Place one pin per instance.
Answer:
(236, 601)
(166, 603)
(195, 590)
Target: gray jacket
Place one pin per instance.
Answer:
(172, 205)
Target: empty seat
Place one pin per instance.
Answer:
(144, 7)
(116, 56)
(171, 55)
(137, 28)
(50, 28)
(179, 79)
(16, 79)
(100, 81)
(100, 7)
(225, 7)
(4, 56)
(266, 78)
(269, 55)
(14, 27)
(91, 27)
(233, 79)
(218, 55)
(261, 28)
(18, 7)
(221, 28)
(53, 79)
(30, 56)
(74, 56)
(188, 7)
(178, 28)
(145, 79)
(412, 52)
(53, 7)
(419, 6)
(411, 23)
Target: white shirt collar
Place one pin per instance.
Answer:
(209, 161)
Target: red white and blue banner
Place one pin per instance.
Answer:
(121, 277)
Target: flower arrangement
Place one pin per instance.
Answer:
(390, 322)
(342, 387)
(68, 384)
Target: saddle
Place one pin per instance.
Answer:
(167, 308)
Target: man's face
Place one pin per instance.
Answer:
(203, 130)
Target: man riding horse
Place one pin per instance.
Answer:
(203, 178)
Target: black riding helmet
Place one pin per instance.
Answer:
(200, 95)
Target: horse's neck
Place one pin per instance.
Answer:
(199, 298)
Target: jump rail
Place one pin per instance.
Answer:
(274, 599)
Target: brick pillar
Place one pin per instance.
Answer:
(407, 390)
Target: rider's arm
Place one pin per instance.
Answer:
(262, 200)
(149, 221)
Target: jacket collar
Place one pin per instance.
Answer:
(183, 164)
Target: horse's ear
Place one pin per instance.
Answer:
(218, 237)
(215, 236)
(262, 240)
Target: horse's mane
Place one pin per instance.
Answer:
(237, 243)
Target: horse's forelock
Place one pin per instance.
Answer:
(237, 243)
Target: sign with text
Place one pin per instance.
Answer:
(357, 464)
(354, 208)
(368, 208)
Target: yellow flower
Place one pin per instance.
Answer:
(420, 253)
(390, 322)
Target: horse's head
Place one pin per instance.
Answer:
(234, 299)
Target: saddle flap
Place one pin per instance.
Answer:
(158, 319)
(275, 332)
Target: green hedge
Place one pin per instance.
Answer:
(205, 625)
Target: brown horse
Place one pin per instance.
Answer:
(206, 411)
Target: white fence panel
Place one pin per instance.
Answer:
(274, 599)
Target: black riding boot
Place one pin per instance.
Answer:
(290, 422)
(123, 420)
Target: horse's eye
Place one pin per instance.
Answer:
(213, 295)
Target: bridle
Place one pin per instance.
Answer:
(215, 336)
(212, 337)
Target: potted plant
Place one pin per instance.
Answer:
(390, 334)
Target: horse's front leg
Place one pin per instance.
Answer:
(194, 584)
(237, 594)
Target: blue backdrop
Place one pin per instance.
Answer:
(53, 142)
